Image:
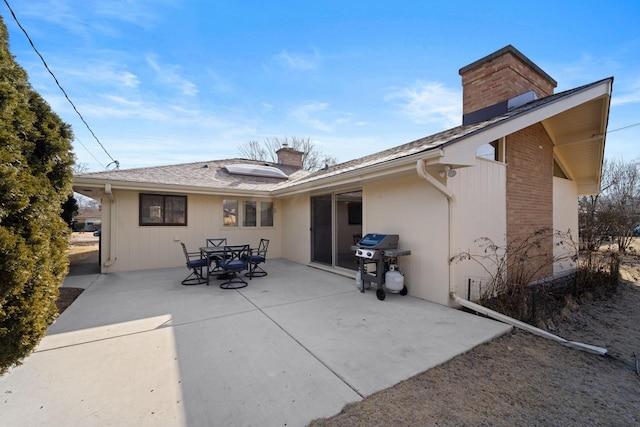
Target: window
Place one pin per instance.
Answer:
(250, 214)
(230, 213)
(266, 214)
(159, 209)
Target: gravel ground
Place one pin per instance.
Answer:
(524, 380)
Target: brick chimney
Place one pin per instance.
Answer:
(490, 83)
(289, 156)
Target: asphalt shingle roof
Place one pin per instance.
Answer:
(206, 174)
(212, 174)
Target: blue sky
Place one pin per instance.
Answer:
(173, 81)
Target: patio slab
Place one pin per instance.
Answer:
(138, 348)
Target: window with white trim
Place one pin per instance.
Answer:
(247, 213)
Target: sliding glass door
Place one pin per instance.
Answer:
(336, 225)
(348, 209)
(321, 226)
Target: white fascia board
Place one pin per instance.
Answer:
(170, 188)
(402, 164)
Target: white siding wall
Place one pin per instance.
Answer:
(296, 238)
(418, 213)
(480, 210)
(149, 247)
(565, 218)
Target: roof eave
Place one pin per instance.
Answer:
(157, 187)
(460, 154)
(402, 164)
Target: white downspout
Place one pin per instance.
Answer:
(451, 201)
(422, 172)
(112, 222)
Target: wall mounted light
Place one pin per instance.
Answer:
(448, 172)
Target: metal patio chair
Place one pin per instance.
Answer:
(258, 257)
(217, 256)
(217, 242)
(195, 263)
(235, 260)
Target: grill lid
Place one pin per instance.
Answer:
(379, 241)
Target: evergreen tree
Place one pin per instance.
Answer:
(35, 180)
(69, 211)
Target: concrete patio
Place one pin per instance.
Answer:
(140, 349)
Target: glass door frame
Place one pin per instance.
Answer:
(346, 225)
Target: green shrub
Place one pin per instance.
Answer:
(35, 179)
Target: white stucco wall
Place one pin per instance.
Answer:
(480, 210)
(147, 247)
(565, 218)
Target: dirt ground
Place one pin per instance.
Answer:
(520, 379)
(83, 249)
(82, 246)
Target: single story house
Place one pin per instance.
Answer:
(518, 163)
(88, 221)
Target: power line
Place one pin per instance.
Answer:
(15, 18)
(90, 153)
(625, 127)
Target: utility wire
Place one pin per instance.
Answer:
(90, 153)
(625, 127)
(15, 18)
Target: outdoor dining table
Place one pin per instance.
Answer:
(213, 253)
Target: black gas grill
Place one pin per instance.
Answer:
(375, 252)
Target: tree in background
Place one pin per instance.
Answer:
(35, 180)
(612, 214)
(70, 211)
(312, 158)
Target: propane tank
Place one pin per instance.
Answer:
(359, 279)
(394, 279)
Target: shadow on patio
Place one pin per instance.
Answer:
(139, 348)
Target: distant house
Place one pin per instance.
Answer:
(517, 163)
(88, 221)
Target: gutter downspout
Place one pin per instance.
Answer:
(422, 172)
(112, 229)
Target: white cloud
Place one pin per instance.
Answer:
(98, 16)
(82, 76)
(630, 95)
(428, 102)
(319, 116)
(298, 61)
(170, 75)
(219, 84)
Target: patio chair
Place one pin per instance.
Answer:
(235, 260)
(217, 242)
(217, 256)
(258, 257)
(196, 277)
